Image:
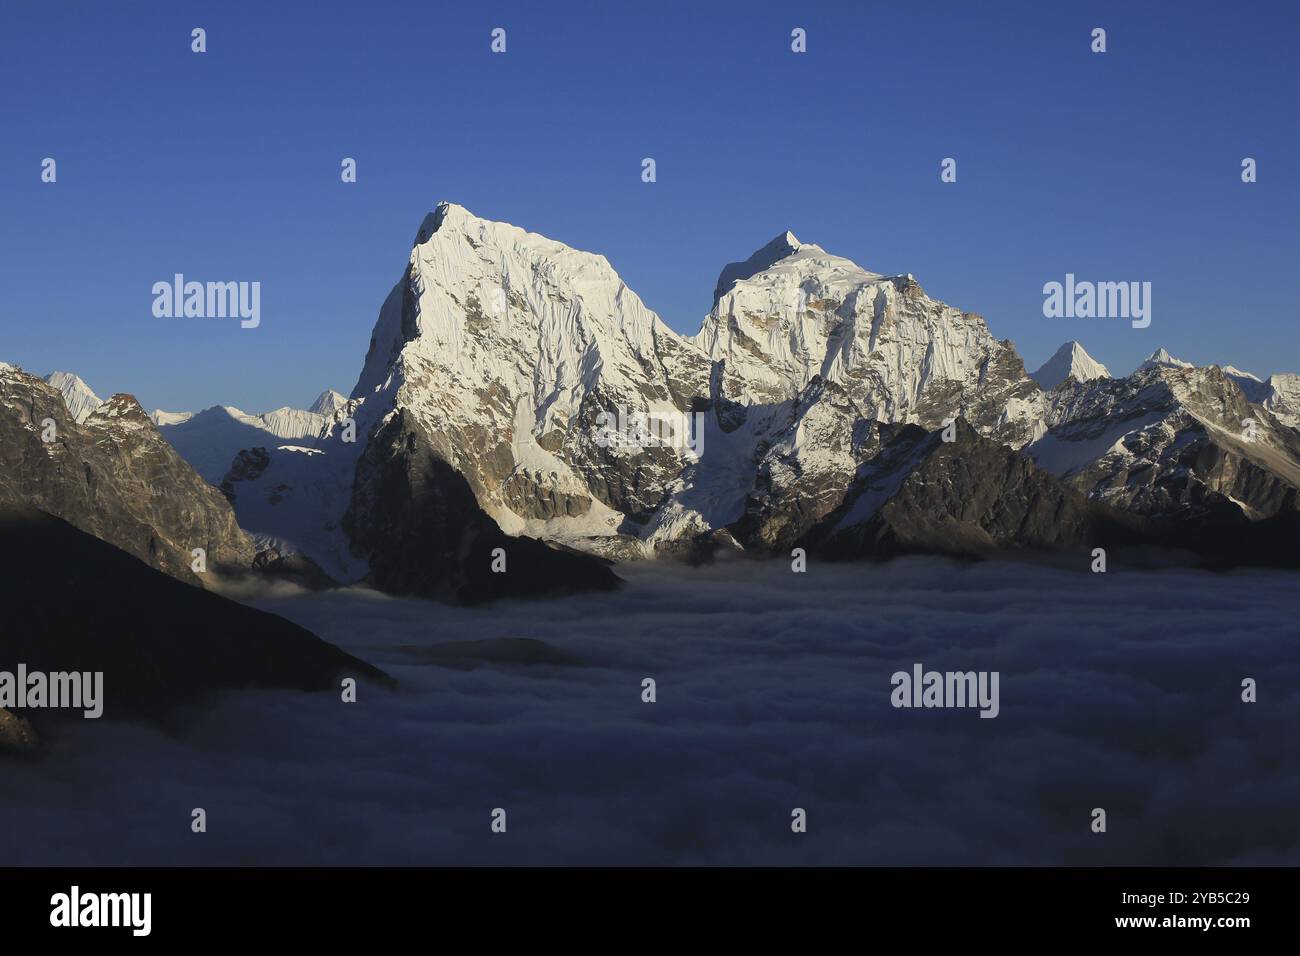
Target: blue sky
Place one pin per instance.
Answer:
(225, 166)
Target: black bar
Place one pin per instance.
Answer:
(332, 906)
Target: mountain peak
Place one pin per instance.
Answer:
(122, 408)
(779, 248)
(444, 212)
(1161, 357)
(327, 403)
(1234, 372)
(77, 395)
(1071, 360)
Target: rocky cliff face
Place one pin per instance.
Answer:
(965, 497)
(416, 522)
(1171, 440)
(113, 477)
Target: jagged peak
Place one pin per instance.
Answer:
(1161, 357)
(121, 407)
(781, 247)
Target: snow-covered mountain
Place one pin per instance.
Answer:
(1161, 357)
(796, 414)
(327, 403)
(160, 418)
(1252, 386)
(503, 349)
(1282, 398)
(209, 440)
(1280, 394)
(1069, 361)
(1172, 440)
(77, 395)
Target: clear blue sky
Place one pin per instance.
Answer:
(225, 166)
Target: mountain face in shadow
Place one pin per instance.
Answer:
(966, 497)
(113, 476)
(416, 520)
(74, 603)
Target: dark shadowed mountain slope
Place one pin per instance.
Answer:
(74, 603)
(416, 520)
(967, 497)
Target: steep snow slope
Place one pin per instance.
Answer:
(77, 395)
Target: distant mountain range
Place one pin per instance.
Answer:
(820, 405)
(522, 422)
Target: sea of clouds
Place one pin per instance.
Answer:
(1120, 691)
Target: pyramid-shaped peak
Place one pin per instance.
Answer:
(1161, 357)
(1071, 360)
(327, 403)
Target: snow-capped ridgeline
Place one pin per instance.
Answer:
(498, 353)
(499, 348)
(1069, 361)
(211, 439)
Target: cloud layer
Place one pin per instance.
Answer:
(1119, 691)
